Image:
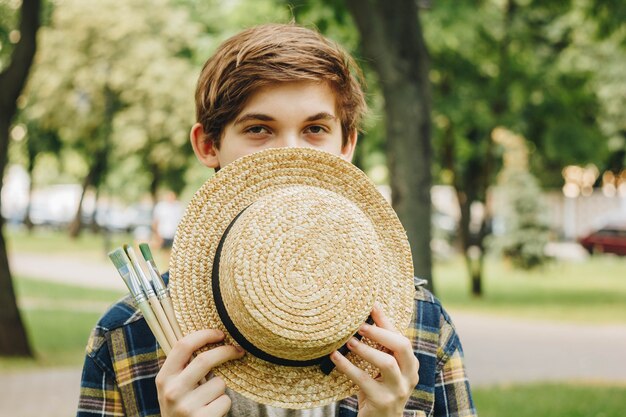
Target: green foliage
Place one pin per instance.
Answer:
(8, 23)
(504, 63)
(520, 208)
(118, 79)
(526, 231)
(608, 80)
(122, 74)
(610, 16)
(532, 67)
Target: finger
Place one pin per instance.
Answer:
(206, 393)
(182, 350)
(387, 364)
(202, 364)
(356, 375)
(397, 343)
(217, 408)
(381, 319)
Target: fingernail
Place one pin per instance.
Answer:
(352, 342)
(219, 333)
(239, 349)
(364, 328)
(333, 356)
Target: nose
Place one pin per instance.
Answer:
(290, 140)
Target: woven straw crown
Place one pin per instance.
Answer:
(286, 251)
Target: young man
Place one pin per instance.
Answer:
(275, 86)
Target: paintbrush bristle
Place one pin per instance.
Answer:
(119, 258)
(146, 252)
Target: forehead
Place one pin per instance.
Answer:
(293, 97)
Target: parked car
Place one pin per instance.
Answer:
(609, 239)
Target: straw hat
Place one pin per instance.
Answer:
(286, 251)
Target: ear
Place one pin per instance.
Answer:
(203, 147)
(347, 151)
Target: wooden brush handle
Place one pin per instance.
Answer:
(163, 321)
(153, 323)
(169, 311)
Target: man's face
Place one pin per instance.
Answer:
(297, 114)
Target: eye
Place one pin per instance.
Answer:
(257, 130)
(316, 129)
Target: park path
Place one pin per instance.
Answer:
(88, 272)
(498, 350)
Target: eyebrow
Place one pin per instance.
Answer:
(254, 116)
(321, 116)
(267, 118)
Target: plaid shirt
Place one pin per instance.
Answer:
(123, 359)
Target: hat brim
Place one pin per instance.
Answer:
(209, 213)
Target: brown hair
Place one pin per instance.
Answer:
(275, 53)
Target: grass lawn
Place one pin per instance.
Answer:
(592, 291)
(58, 319)
(551, 400)
(51, 241)
(87, 246)
(30, 288)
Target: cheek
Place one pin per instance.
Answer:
(334, 146)
(237, 148)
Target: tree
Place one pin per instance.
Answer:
(154, 123)
(601, 38)
(392, 40)
(524, 233)
(500, 64)
(38, 141)
(122, 72)
(13, 339)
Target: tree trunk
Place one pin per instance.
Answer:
(154, 184)
(391, 38)
(31, 185)
(13, 338)
(99, 165)
(478, 188)
(95, 227)
(76, 225)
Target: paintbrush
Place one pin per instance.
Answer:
(125, 269)
(149, 292)
(162, 293)
(160, 288)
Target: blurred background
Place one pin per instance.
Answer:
(497, 130)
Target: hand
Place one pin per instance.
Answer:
(386, 395)
(178, 382)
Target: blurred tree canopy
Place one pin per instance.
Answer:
(125, 79)
(508, 63)
(111, 96)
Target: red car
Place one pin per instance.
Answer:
(609, 239)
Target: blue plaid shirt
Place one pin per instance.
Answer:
(123, 358)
